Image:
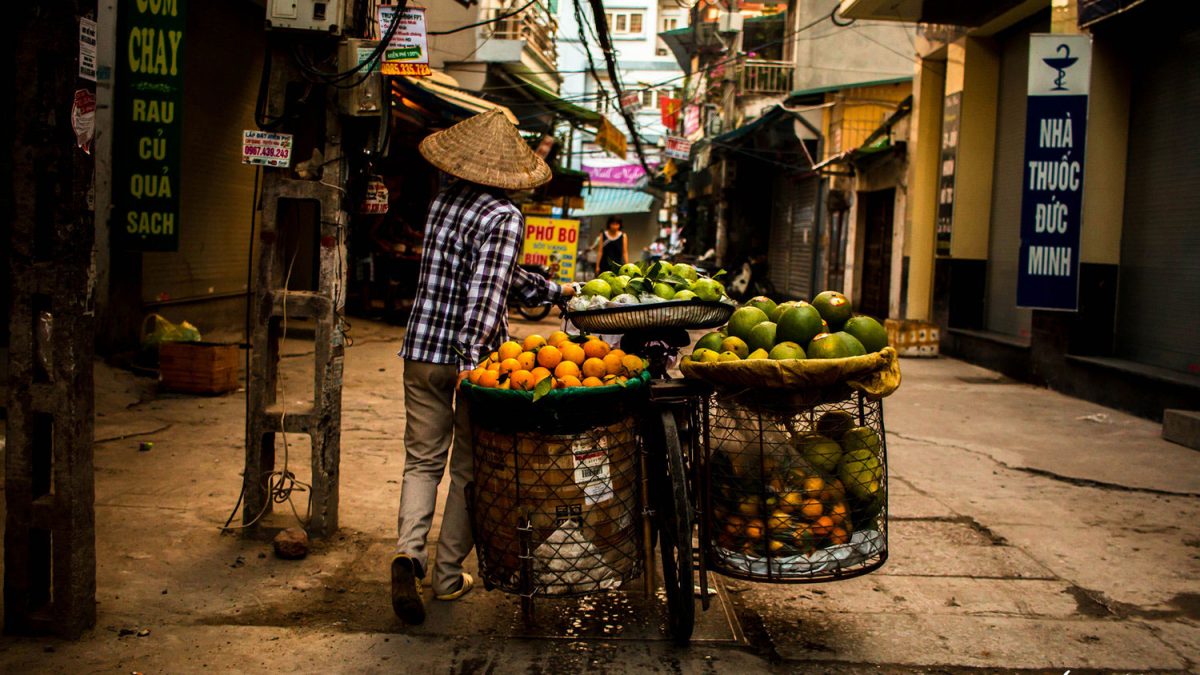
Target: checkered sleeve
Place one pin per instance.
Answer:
(532, 288)
(488, 288)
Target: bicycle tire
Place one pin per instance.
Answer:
(534, 312)
(675, 534)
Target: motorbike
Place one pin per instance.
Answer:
(751, 280)
(536, 311)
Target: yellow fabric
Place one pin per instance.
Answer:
(876, 375)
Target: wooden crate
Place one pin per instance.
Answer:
(198, 367)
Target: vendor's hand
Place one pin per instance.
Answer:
(461, 376)
(568, 290)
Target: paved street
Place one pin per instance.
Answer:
(1029, 531)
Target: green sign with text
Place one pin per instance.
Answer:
(147, 138)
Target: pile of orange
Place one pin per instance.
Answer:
(569, 361)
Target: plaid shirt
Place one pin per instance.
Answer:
(472, 240)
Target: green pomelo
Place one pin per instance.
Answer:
(834, 308)
(822, 452)
(835, 423)
(853, 346)
(711, 341)
(786, 350)
(783, 307)
(799, 324)
(736, 345)
(869, 332)
(861, 472)
(827, 346)
(597, 287)
(762, 336)
(764, 303)
(862, 438)
(744, 320)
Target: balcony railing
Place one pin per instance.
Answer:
(765, 78)
(536, 26)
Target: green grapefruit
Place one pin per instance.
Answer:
(834, 308)
(827, 346)
(853, 346)
(786, 350)
(736, 345)
(764, 303)
(762, 336)
(744, 320)
(711, 341)
(799, 324)
(869, 332)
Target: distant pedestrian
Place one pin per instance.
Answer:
(656, 250)
(472, 241)
(612, 245)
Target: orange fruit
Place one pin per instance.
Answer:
(527, 360)
(592, 382)
(488, 378)
(812, 508)
(632, 364)
(532, 342)
(612, 363)
(506, 384)
(549, 356)
(791, 500)
(813, 485)
(556, 337)
(619, 352)
(838, 513)
(573, 352)
(473, 377)
(509, 365)
(566, 369)
(509, 350)
(838, 536)
(754, 529)
(594, 367)
(522, 380)
(540, 374)
(493, 366)
(595, 348)
(570, 381)
(822, 526)
(779, 521)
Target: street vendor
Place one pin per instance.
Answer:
(472, 241)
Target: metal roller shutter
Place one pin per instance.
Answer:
(1159, 285)
(790, 257)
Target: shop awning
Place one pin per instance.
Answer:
(804, 93)
(600, 201)
(440, 90)
(556, 103)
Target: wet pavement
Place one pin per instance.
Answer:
(1029, 531)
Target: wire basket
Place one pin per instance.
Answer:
(794, 489)
(557, 515)
(687, 314)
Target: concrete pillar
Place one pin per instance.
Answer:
(973, 68)
(1107, 148)
(49, 536)
(921, 205)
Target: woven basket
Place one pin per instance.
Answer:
(687, 314)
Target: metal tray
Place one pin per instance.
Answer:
(688, 314)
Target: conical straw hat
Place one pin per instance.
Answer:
(486, 149)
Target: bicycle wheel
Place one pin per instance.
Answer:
(534, 312)
(675, 532)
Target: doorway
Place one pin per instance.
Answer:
(878, 209)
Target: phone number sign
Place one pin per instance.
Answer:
(266, 149)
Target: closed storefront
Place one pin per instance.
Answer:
(1004, 234)
(224, 48)
(790, 255)
(1158, 305)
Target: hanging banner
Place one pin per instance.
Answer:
(611, 139)
(147, 125)
(553, 244)
(691, 121)
(87, 49)
(619, 175)
(1052, 186)
(670, 112)
(949, 157)
(407, 52)
(631, 101)
(678, 148)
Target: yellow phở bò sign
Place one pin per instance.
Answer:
(554, 244)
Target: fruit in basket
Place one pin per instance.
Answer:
(509, 350)
(811, 508)
(862, 438)
(573, 353)
(799, 323)
(822, 526)
(728, 356)
(827, 346)
(707, 289)
(566, 369)
(593, 382)
(764, 303)
(786, 350)
(598, 287)
(557, 337)
(630, 270)
(779, 520)
(633, 365)
(861, 472)
(744, 319)
(594, 367)
(762, 336)
(838, 536)
(618, 285)
(736, 345)
(549, 357)
(595, 348)
(711, 341)
(533, 343)
(704, 355)
(685, 294)
(664, 290)
(685, 271)
(758, 354)
(834, 308)
(834, 491)
(868, 331)
(783, 307)
(837, 513)
(803, 537)
(822, 452)
(853, 346)
(521, 380)
(835, 423)
(528, 360)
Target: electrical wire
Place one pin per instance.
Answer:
(497, 19)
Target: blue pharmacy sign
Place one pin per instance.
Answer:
(1052, 189)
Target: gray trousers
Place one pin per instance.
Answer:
(432, 426)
